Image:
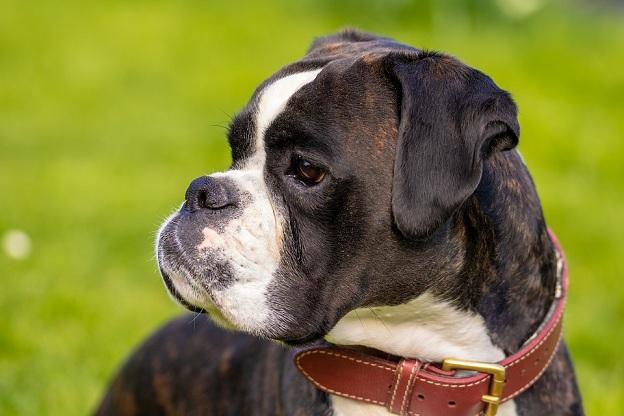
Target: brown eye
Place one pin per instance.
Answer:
(308, 173)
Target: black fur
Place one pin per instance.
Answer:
(190, 367)
(452, 118)
(420, 195)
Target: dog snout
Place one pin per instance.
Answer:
(207, 192)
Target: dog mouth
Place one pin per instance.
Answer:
(205, 305)
(171, 289)
(201, 279)
(208, 307)
(186, 279)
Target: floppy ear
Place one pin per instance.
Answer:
(452, 117)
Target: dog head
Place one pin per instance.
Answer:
(347, 167)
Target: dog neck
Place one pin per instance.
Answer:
(515, 264)
(507, 283)
(503, 288)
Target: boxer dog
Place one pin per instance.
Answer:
(374, 199)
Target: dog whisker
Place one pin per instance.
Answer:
(197, 314)
(359, 319)
(377, 317)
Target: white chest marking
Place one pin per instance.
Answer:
(347, 407)
(425, 328)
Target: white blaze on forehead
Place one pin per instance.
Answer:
(273, 100)
(251, 243)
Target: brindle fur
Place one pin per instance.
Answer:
(492, 256)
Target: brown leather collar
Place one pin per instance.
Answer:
(410, 387)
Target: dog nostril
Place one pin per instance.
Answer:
(206, 192)
(215, 198)
(201, 199)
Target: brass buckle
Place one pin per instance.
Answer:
(493, 398)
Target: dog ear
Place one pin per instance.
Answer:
(452, 117)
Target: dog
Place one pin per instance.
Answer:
(375, 201)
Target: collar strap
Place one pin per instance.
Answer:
(413, 388)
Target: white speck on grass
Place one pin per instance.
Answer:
(16, 244)
(519, 9)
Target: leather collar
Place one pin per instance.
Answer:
(411, 387)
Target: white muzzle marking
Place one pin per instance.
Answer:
(250, 243)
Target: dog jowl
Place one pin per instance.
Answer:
(375, 198)
(338, 161)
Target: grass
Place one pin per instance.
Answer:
(109, 108)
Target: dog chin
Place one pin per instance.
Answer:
(292, 338)
(199, 303)
(218, 318)
(234, 307)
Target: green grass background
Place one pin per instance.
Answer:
(108, 109)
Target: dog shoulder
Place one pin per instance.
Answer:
(186, 348)
(190, 365)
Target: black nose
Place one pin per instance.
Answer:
(207, 192)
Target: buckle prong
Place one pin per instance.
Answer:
(493, 398)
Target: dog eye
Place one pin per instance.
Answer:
(307, 172)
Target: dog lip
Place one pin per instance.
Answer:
(174, 292)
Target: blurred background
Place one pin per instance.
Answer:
(109, 108)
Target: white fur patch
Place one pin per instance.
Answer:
(273, 101)
(347, 407)
(251, 242)
(425, 328)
